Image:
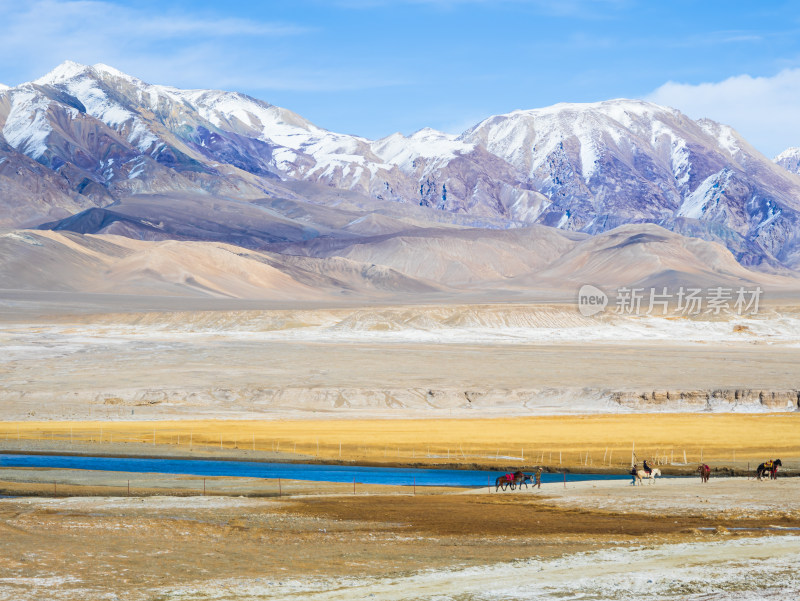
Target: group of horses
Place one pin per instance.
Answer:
(511, 481)
(768, 469)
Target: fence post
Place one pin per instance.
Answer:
(280, 493)
(354, 485)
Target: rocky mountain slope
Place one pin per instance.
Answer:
(84, 147)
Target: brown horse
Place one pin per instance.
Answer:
(769, 468)
(705, 472)
(504, 482)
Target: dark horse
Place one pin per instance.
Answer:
(704, 472)
(521, 478)
(769, 468)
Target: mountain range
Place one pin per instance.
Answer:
(89, 150)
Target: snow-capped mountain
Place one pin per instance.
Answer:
(789, 159)
(622, 161)
(103, 135)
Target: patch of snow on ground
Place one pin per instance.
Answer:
(21, 342)
(742, 570)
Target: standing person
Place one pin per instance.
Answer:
(634, 469)
(538, 483)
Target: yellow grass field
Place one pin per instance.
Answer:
(555, 441)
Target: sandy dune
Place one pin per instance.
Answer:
(107, 264)
(444, 264)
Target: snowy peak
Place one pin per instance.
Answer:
(789, 153)
(578, 136)
(427, 143)
(789, 159)
(428, 133)
(63, 72)
(4, 87)
(105, 70)
(623, 110)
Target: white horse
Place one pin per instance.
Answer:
(641, 474)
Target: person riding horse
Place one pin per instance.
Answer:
(647, 468)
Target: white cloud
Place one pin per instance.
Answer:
(172, 47)
(765, 110)
(180, 48)
(587, 9)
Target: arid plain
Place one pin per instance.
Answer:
(200, 274)
(496, 386)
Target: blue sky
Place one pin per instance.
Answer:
(372, 67)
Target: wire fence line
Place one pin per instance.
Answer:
(595, 456)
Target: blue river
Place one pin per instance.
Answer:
(295, 471)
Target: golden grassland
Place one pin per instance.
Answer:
(554, 441)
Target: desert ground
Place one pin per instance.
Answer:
(732, 538)
(389, 361)
(495, 386)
